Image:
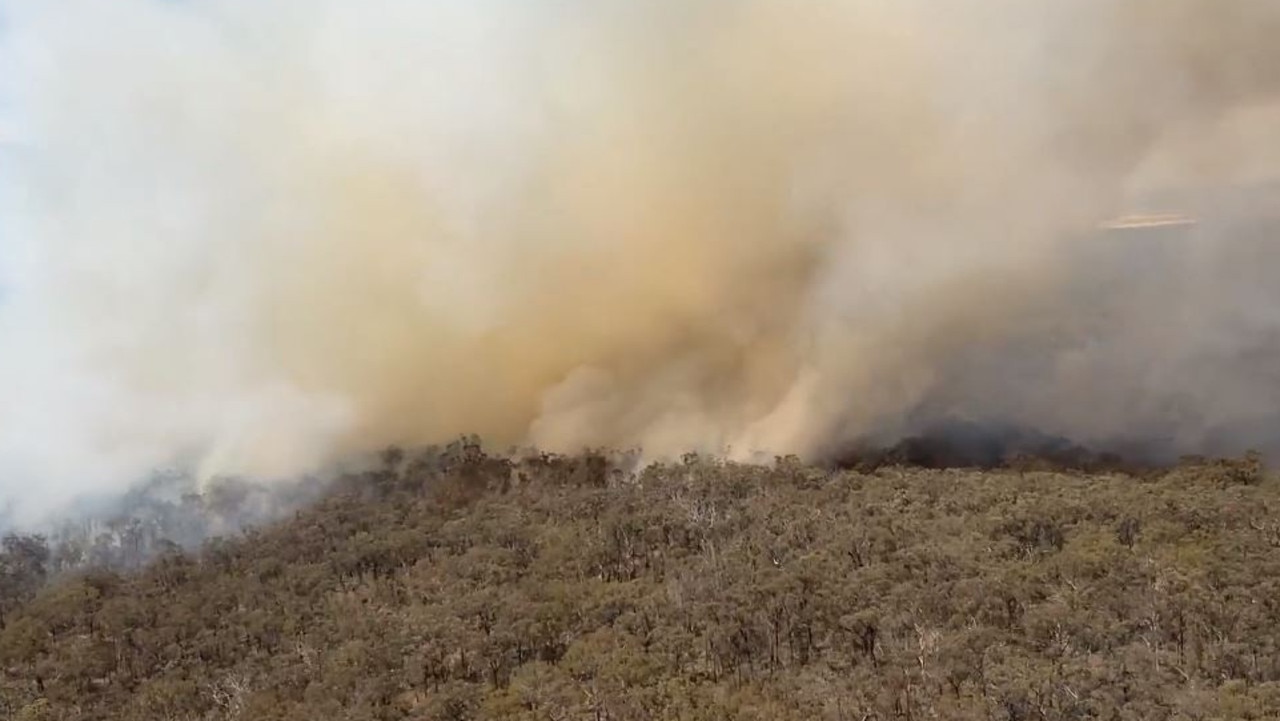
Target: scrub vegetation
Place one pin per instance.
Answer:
(448, 584)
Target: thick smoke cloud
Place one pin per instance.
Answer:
(257, 236)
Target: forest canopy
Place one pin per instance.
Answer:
(451, 584)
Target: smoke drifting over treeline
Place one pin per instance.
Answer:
(257, 236)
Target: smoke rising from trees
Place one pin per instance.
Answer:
(253, 237)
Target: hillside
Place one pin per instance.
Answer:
(451, 585)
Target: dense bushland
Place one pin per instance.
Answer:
(453, 585)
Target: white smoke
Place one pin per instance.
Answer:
(258, 235)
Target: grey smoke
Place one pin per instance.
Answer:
(259, 236)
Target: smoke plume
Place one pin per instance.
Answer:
(253, 237)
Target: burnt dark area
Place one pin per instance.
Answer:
(982, 446)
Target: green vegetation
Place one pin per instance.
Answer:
(452, 585)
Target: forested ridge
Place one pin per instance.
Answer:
(448, 584)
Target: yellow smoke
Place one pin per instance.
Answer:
(267, 234)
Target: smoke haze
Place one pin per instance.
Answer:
(254, 237)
